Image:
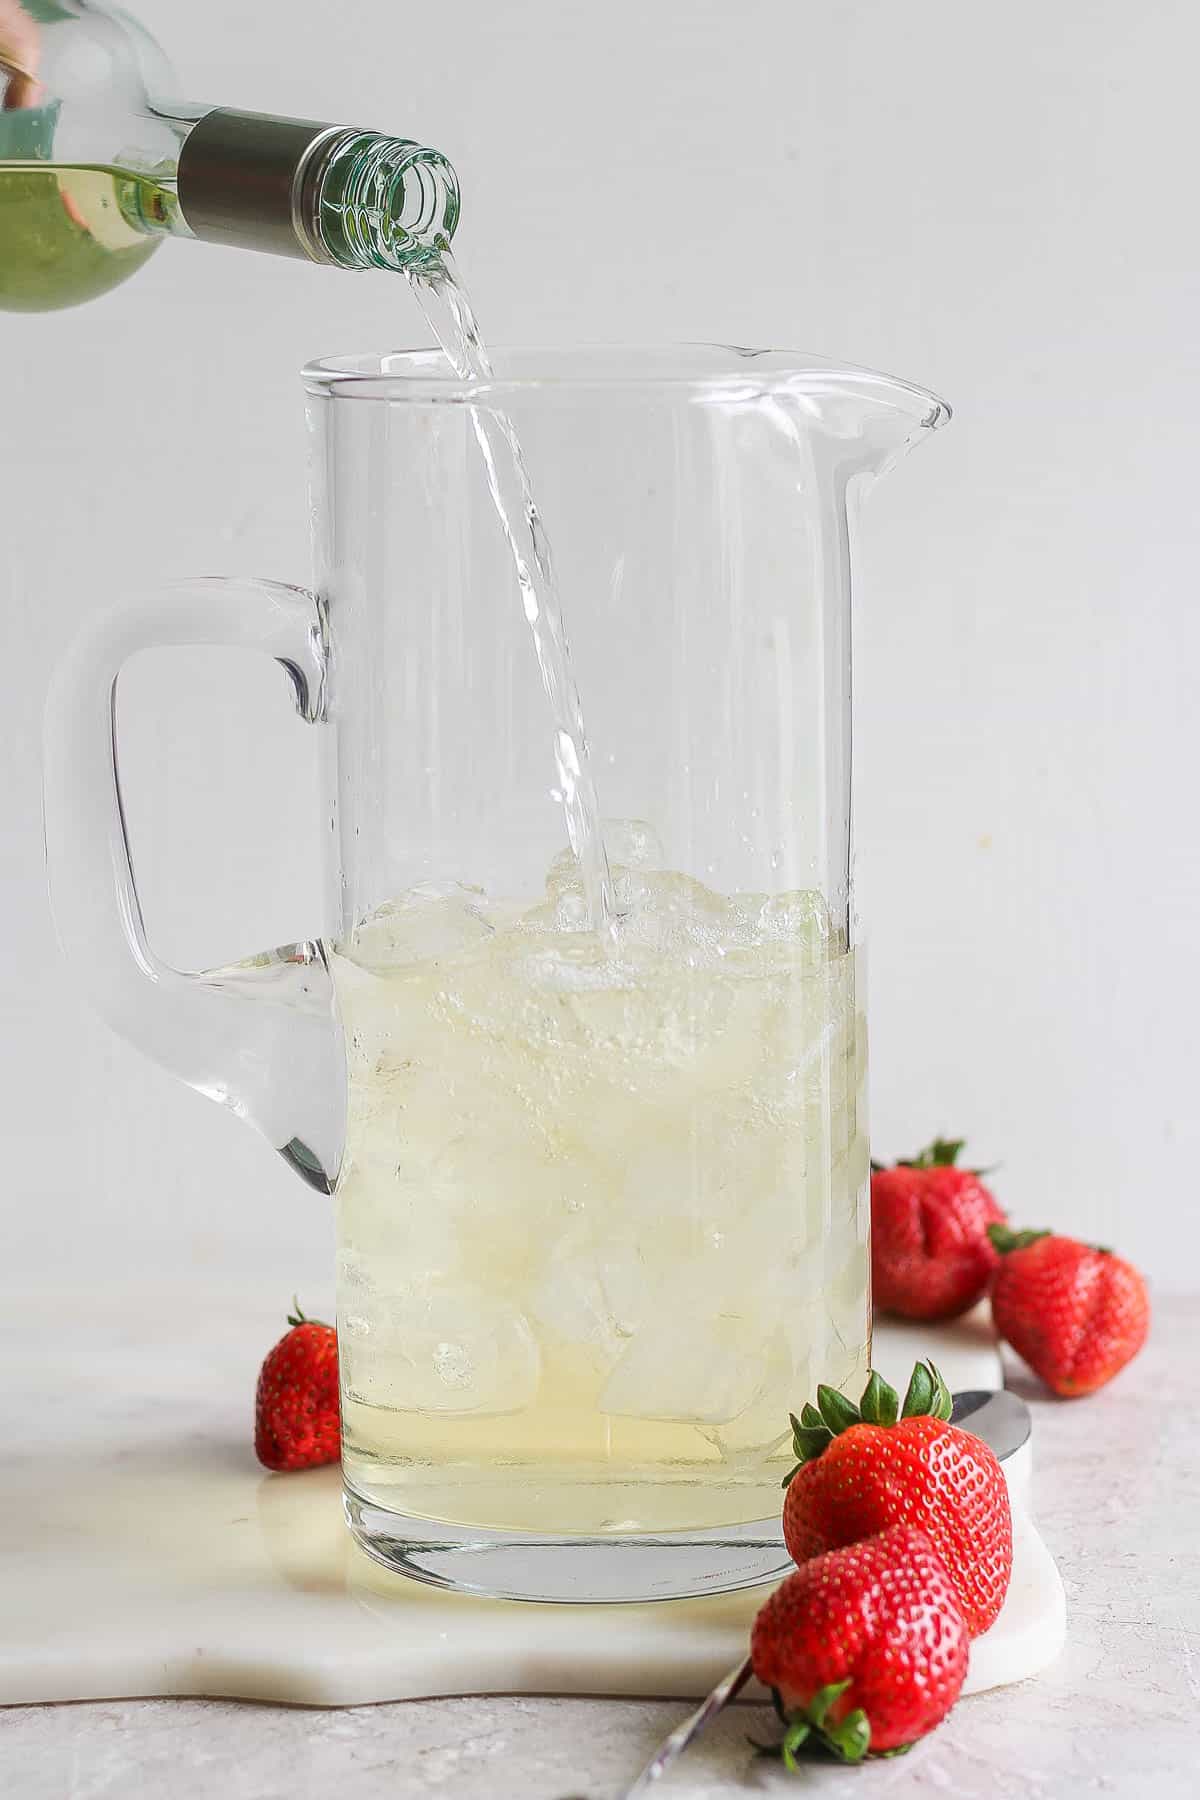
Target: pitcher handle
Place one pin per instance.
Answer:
(260, 1036)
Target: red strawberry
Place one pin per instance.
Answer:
(865, 1648)
(296, 1406)
(862, 1470)
(1076, 1313)
(930, 1254)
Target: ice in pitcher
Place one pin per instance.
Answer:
(603, 1209)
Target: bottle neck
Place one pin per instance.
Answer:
(294, 187)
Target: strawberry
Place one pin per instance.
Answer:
(930, 1254)
(296, 1405)
(863, 1469)
(1075, 1312)
(864, 1648)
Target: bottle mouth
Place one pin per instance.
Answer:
(722, 373)
(366, 201)
(327, 193)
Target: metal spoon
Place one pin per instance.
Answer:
(1001, 1419)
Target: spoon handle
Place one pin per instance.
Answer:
(681, 1737)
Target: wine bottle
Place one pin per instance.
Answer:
(97, 169)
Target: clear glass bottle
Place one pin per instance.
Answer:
(96, 169)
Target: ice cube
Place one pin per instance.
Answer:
(763, 1428)
(690, 1367)
(731, 1171)
(827, 1323)
(856, 1160)
(508, 998)
(403, 1111)
(424, 924)
(669, 1177)
(810, 1041)
(804, 1317)
(458, 1352)
(590, 1293)
(629, 844)
(702, 1163)
(799, 919)
(637, 1013)
(675, 914)
(565, 910)
(632, 844)
(564, 875)
(609, 1107)
(848, 1299)
(502, 1199)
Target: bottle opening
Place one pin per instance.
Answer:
(296, 187)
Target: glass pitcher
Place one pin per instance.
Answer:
(601, 1174)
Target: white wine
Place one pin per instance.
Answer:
(603, 1209)
(69, 234)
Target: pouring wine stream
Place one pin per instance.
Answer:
(444, 301)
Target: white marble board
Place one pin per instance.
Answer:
(143, 1551)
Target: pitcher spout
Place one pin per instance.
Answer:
(876, 418)
(868, 420)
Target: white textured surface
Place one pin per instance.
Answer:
(1115, 1717)
(142, 1551)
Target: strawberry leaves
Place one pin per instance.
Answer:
(298, 1317)
(927, 1394)
(808, 1441)
(880, 1404)
(817, 1426)
(1005, 1240)
(838, 1413)
(943, 1153)
(848, 1739)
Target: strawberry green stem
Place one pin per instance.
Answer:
(926, 1396)
(849, 1739)
(297, 1316)
(943, 1153)
(1004, 1239)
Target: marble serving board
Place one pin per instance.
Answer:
(143, 1551)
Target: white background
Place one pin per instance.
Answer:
(996, 202)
